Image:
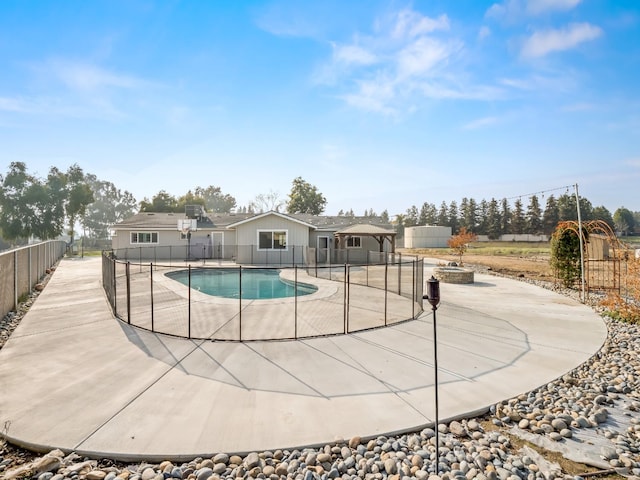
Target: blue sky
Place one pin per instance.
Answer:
(379, 104)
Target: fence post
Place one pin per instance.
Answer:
(240, 299)
(15, 280)
(128, 272)
(115, 292)
(295, 296)
(189, 304)
(151, 290)
(400, 275)
(344, 305)
(348, 295)
(386, 270)
(413, 289)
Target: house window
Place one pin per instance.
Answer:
(272, 239)
(354, 242)
(144, 237)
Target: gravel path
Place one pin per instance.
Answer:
(590, 415)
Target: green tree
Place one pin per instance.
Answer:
(568, 210)
(565, 255)
(79, 195)
(518, 221)
(189, 198)
(384, 216)
(483, 213)
(305, 198)
(624, 220)
(603, 214)
(443, 215)
(551, 216)
(453, 216)
(29, 206)
(428, 214)
(110, 206)
(411, 217)
(534, 216)
(494, 227)
(469, 213)
(214, 200)
(161, 202)
(505, 216)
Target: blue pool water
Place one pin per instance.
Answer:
(257, 283)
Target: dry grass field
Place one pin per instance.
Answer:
(519, 259)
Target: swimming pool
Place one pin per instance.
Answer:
(257, 283)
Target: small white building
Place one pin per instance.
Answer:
(426, 236)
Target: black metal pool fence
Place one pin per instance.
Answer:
(350, 298)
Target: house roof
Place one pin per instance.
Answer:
(169, 221)
(361, 229)
(266, 214)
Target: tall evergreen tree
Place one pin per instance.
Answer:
(428, 214)
(443, 215)
(411, 217)
(453, 216)
(550, 216)
(518, 221)
(534, 216)
(483, 212)
(505, 216)
(493, 220)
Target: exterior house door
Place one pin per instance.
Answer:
(217, 245)
(323, 250)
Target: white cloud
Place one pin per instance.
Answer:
(541, 43)
(405, 58)
(509, 10)
(633, 162)
(484, 32)
(16, 105)
(422, 56)
(480, 123)
(411, 24)
(578, 107)
(353, 55)
(87, 77)
(514, 10)
(536, 7)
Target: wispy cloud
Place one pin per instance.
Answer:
(633, 162)
(578, 107)
(405, 58)
(516, 10)
(537, 7)
(484, 32)
(88, 77)
(480, 123)
(543, 42)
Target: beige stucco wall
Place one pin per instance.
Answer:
(247, 241)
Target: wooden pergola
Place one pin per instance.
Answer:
(364, 230)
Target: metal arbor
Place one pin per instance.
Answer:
(602, 254)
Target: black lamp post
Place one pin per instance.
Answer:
(433, 296)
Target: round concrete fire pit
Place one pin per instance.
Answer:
(453, 274)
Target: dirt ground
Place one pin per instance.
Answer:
(533, 267)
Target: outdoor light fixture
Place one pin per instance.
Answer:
(433, 292)
(433, 297)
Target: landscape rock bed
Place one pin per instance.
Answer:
(480, 448)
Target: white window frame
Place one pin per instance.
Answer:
(352, 240)
(144, 233)
(272, 231)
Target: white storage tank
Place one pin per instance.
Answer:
(426, 236)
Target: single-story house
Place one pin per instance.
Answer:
(248, 238)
